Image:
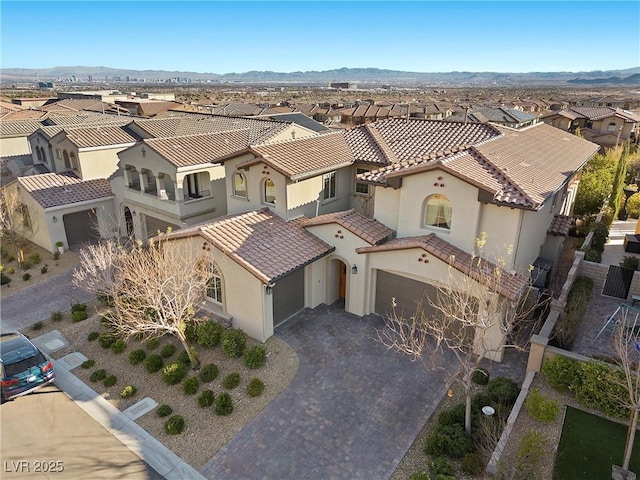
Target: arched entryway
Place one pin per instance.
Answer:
(128, 221)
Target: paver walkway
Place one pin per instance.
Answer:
(351, 412)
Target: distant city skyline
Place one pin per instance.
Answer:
(288, 36)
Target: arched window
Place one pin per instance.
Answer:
(65, 155)
(214, 287)
(611, 127)
(437, 212)
(239, 185)
(269, 194)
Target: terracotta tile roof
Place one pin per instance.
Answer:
(87, 118)
(11, 107)
(172, 124)
(21, 128)
(520, 167)
(57, 189)
(77, 105)
(510, 285)
(99, 135)
(599, 113)
(24, 115)
(155, 107)
(191, 150)
(306, 157)
(261, 242)
(364, 146)
(367, 229)
(560, 225)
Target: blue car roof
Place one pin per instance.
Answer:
(15, 347)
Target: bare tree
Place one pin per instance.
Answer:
(470, 315)
(153, 289)
(17, 226)
(626, 343)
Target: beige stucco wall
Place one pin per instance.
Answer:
(14, 146)
(304, 197)
(501, 224)
(99, 163)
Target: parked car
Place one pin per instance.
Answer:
(23, 368)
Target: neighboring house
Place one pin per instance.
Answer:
(13, 136)
(504, 116)
(438, 186)
(606, 126)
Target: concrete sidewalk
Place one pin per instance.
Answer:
(154, 453)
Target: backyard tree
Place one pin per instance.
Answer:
(153, 289)
(597, 182)
(626, 343)
(17, 226)
(472, 314)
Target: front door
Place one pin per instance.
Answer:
(342, 289)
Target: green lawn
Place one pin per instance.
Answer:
(589, 445)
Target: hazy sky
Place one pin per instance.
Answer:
(419, 36)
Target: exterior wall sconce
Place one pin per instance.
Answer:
(269, 289)
(354, 269)
(55, 219)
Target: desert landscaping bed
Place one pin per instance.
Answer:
(205, 432)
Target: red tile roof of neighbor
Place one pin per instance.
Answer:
(192, 150)
(560, 225)
(57, 189)
(520, 167)
(507, 284)
(307, 157)
(19, 128)
(369, 230)
(99, 136)
(261, 242)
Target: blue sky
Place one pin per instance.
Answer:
(420, 36)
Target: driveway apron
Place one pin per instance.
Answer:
(352, 411)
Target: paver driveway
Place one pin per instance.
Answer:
(352, 410)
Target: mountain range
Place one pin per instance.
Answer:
(630, 76)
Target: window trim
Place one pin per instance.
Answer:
(216, 278)
(264, 191)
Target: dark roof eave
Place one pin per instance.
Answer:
(273, 280)
(313, 173)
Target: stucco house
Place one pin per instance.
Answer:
(435, 187)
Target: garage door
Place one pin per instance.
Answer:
(288, 296)
(80, 227)
(155, 224)
(406, 291)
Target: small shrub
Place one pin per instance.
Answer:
(472, 464)
(503, 390)
(174, 373)
(440, 466)
(26, 277)
(191, 385)
(128, 391)
(451, 416)
(98, 375)
(183, 357)
(118, 346)
(56, 256)
(137, 356)
(479, 400)
(420, 476)
(529, 454)
(87, 364)
(255, 357)
(209, 372)
(224, 404)
(92, 336)
(480, 376)
(206, 399)
(37, 326)
(233, 342)
(630, 262)
(164, 411)
(44, 269)
(106, 339)
(591, 255)
(78, 316)
(540, 407)
(152, 343)
(79, 307)
(561, 373)
(4, 280)
(35, 258)
(449, 440)
(11, 270)
(255, 387)
(110, 381)
(168, 350)
(174, 425)
(209, 333)
(56, 316)
(231, 381)
(153, 363)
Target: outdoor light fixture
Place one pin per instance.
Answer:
(55, 219)
(269, 289)
(354, 269)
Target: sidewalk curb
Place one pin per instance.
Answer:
(149, 449)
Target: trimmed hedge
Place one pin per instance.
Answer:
(224, 404)
(209, 372)
(153, 363)
(110, 381)
(137, 356)
(174, 425)
(209, 333)
(255, 357)
(168, 350)
(98, 375)
(540, 407)
(503, 390)
(128, 391)
(206, 398)
(164, 411)
(231, 381)
(174, 373)
(191, 385)
(255, 387)
(233, 342)
(118, 346)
